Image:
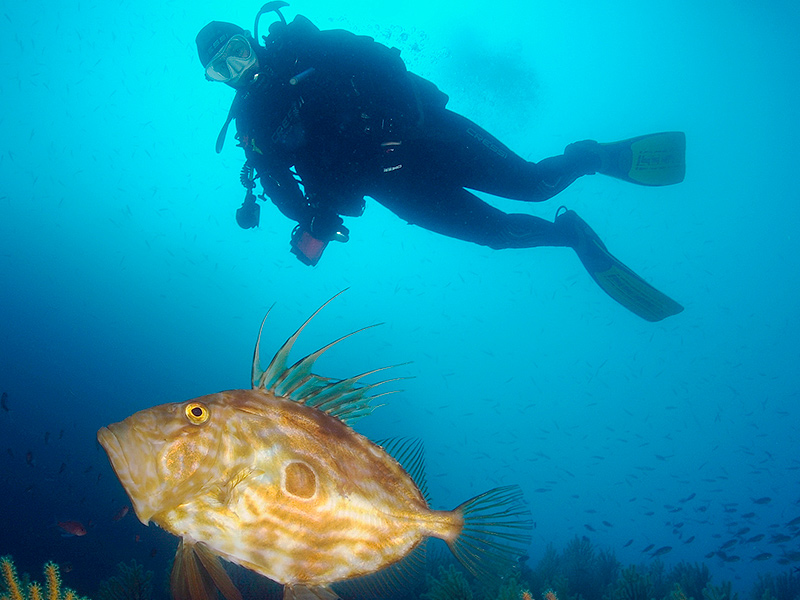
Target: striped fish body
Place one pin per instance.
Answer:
(275, 479)
(278, 487)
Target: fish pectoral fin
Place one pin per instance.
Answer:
(303, 592)
(197, 575)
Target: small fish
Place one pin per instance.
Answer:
(29, 459)
(754, 539)
(689, 497)
(689, 540)
(72, 528)
(733, 558)
(764, 500)
(274, 479)
(589, 527)
(749, 515)
(4, 401)
(661, 551)
(762, 556)
(62, 468)
(120, 513)
(628, 543)
(728, 544)
(607, 524)
(793, 522)
(779, 538)
(650, 547)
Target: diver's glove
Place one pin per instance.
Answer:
(329, 227)
(249, 213)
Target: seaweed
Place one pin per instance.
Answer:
(132, 583)
(785, 586)
(692, 577)
(721, 592)
(451, 585)
(633, 585)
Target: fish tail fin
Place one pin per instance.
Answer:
(495, 532)
(197, 575)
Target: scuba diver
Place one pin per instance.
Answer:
(327, 117)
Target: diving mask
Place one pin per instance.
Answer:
(232, 61)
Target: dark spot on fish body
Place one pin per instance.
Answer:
(300, 480)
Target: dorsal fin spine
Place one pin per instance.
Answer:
(294, 376)
(255, 371)
(346, 399)
(277, 365)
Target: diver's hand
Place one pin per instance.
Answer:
(328, 227)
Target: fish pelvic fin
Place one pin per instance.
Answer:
(346, 399)
(197, 574)
(302, 592)
(495, 533)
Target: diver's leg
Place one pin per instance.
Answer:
(459, 214)
(466, 155)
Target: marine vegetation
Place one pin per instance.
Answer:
(579, 572)
(785, 586)
(720, 592)
(582, 572)
(132, 583)
(633, 585)
(451, 584)
(15, 588)
(692, 578)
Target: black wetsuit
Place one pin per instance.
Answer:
(344, 112)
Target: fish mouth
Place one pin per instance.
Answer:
(113, 448)
(119, 462)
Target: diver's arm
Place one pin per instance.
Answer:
(283, 190)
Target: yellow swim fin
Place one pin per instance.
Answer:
(613, 277)
(653, 159)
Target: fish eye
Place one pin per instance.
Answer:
(196, 413)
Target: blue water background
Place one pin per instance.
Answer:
(125, 281)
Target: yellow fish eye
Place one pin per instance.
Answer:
(196, 413)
